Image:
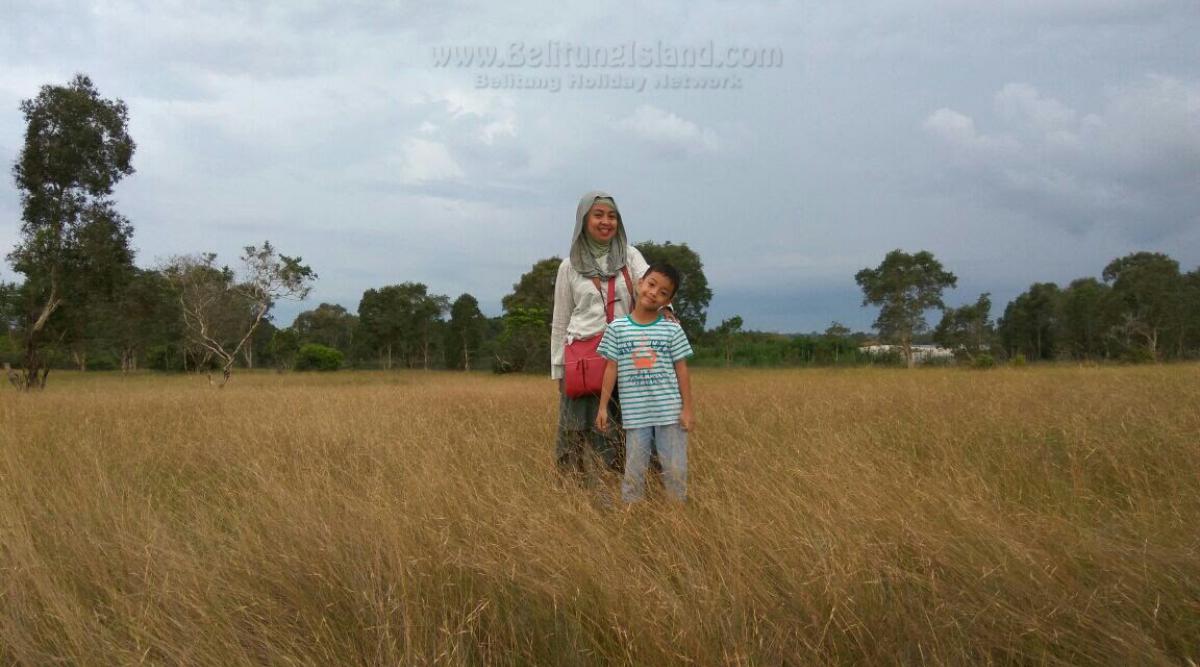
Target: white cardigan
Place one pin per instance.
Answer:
(579, 308)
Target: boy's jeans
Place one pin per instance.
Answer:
(671, 444)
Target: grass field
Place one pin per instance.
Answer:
(1031, 516)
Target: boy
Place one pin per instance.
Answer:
(646, 354)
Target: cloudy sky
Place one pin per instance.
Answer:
(1030, 142)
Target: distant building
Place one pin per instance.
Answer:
(921, 353)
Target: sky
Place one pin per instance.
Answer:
(1020, 142)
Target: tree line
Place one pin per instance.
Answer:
(1142, 308)
(192, 314)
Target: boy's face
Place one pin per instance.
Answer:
(655, 290)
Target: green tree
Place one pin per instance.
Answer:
(726, 335)
(403, 319)
(904, 286)
(9, 309)
(966, 330)
(257, 350)
(693, 296)
(144, 315)
(382, 322)
(77, 148)
(284, 346)
(535, 289)
(524, 342)
(328, 324)
(465, 331)
(836, 334)
(1146, 286)
(103, 258)
(1189, 304)
(1085, 318)
(430, 316)
(1031, 324)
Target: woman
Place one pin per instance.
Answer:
(599, 249)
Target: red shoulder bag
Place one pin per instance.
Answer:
(584, 367)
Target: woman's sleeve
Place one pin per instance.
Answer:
(564, 305)
(637, 263)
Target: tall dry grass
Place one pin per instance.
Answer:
(1043, 516)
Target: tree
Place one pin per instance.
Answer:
(1085, 318)
(1031, 322)
(381, 321)
(103, 259)
(1189, 304)
(8, 308)
(726, 333)
(966, 330)
(1146, 286)
(429, 314)
(904, 286)
(144, 314)
(836, 334)
(524, 342)
(691, 300)
(8, 323)
(402, 318)
(535, 289)
(465, 331)
(329, 325)
(258, 349)
(77, 148)
(220, 313)
(284, 346)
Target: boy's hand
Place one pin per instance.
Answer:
(687, 420)
(602, 418)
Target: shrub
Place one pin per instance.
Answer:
(1018, 360)
(9, 352)
(1138, 355)
(105, 361)
(984, 361)
(314, 357)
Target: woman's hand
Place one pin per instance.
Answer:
(602, 419)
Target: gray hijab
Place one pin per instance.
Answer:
(582, 259)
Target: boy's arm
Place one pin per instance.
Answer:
(606, 389)
(687, 419)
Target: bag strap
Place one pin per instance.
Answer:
(629, 287)
(611, 301)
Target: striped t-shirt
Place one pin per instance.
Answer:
(646, 356)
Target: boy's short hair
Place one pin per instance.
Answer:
(667, 271)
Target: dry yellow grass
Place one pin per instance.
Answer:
(1017, 516)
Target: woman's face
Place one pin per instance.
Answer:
(602, 223)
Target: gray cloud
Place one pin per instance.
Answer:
(668, 133)
(1133, 165)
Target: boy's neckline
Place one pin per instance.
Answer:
(647, 324)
